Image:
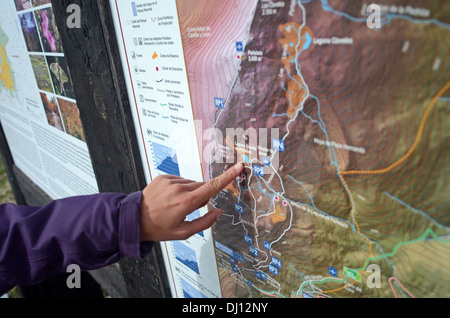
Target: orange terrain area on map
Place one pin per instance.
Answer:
(278, 216)
(232, 189)
(291, 45)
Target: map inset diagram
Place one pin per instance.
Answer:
(166, 159)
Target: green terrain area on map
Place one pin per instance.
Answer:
(361, 180)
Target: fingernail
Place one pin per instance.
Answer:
(239, 166)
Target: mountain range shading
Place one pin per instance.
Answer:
(166, 159)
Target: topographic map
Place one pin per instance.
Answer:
(345, 192)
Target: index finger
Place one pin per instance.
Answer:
(214, 186)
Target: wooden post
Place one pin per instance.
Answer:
(93, 59)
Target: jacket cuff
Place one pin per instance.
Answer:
(130, 228)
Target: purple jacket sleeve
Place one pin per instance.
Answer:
(90, 231)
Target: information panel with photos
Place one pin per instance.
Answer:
(38, 109)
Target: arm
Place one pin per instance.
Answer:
(98, 230)
(90, 231)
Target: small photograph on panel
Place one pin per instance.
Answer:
(37, 3)
(51, 41)
(186, 255)
(30, 32)
(60, 76)
(41, 72)
(51, 111)
(22, 4)
(71, 117)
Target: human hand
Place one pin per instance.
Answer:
(167, 200)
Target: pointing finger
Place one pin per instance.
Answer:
(214, 186)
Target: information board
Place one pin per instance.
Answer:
(341, 125)
(38, 109)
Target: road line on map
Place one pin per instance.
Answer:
(337, 289)
(416, 210)
(400, 286)
(415, 144)
(398, 162)
(429, 231)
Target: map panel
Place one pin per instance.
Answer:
(343, 132)
(38, 112)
